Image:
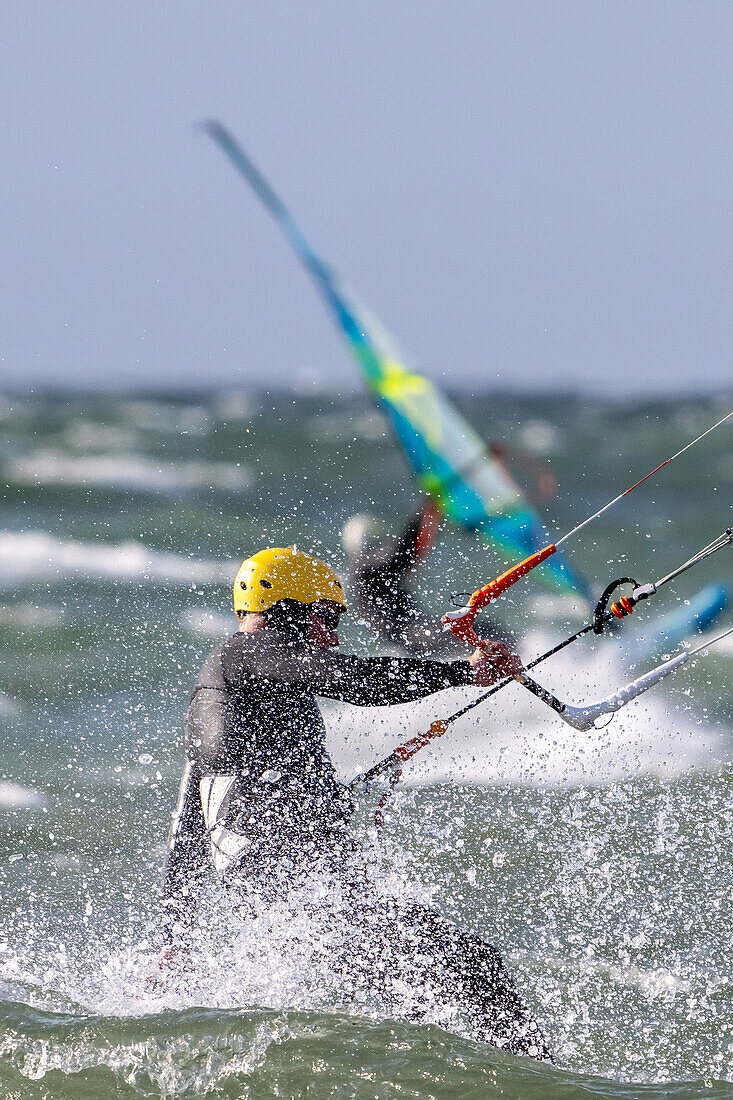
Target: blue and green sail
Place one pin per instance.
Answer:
(450, 460)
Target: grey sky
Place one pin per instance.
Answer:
(525, 193)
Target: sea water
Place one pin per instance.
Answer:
(599, 864)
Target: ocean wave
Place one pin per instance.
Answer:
(250, 1054)
(262, 1008)
(28, 555)
(93, 435)
(15, 797)
(235, 405)
(372, 425)
(14, 408)
(8, 706)
(126, 472)
(24, 616)
(166, 417)
(539, 437)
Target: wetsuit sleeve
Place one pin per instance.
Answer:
(405, 548)
(389, 561)
(185, 860)
(364, 681)
(383, 681)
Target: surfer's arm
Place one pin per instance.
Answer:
(185, 857)
(384, 681)
(418, 538)
(364, 681)
(388, 564)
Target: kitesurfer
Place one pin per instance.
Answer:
(253, 717)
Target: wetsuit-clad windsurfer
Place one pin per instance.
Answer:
(254, 722)
(382, 571)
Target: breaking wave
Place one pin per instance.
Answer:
(27, 555)
(126, 472)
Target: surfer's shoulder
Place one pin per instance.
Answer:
(257, 652)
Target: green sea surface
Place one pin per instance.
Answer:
(609, 892)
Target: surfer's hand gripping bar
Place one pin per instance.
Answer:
(584, 718)
(492, 661)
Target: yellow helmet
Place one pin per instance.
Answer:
(284, 573)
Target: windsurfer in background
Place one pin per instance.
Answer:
(382, 572)
(260, 800)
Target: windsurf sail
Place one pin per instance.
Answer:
(451, 461)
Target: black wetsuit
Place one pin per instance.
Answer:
(378, 584)
(253, 714)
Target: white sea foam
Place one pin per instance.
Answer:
(15, 797)
(159, 416)
(27, 555)
(235, 405)
(333, 426)
(126, 471)
(514, 738)
(22, 616)
(13, 408)
(92, 435)
(189, 1066)
(539, 437)
(8, 706)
